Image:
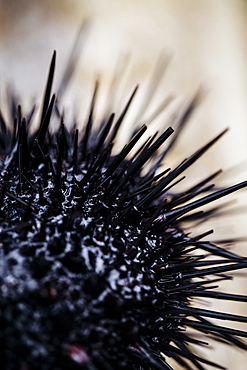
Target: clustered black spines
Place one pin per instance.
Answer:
(96, 270)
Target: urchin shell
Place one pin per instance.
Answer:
(96, 269)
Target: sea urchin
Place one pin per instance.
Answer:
(96, 271)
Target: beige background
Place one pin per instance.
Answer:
(206, 41)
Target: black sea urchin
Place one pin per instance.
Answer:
(96, 271)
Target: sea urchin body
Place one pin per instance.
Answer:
(96, 271)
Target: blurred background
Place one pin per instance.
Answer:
(202, 43)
